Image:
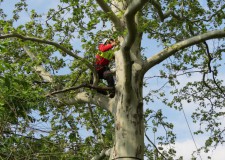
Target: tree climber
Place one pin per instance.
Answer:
(103, 58)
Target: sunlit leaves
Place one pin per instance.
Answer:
(20, 6)
(79, 25)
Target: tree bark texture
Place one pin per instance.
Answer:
(129, 128)
(129, 123)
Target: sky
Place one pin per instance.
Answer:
(184, 144)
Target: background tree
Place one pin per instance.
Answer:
(33, 52)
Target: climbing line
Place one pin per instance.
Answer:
(191, 132)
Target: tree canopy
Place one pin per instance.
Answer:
(46, 62)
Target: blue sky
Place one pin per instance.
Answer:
(184, 144)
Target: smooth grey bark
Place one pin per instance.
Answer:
(129, 123)
(39, 69)
(164, 54)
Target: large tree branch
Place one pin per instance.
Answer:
(84, 97)
(64, 49)
(80, 86)
(39, 69)
(129, 15)
(34, 39)
(116, 21)
(79, 97)
(161, 56)
(162, 15)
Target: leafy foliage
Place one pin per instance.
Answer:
(80, 131)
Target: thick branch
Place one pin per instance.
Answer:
(39, 69)
(102, 155)
(84, 97)
(163, 16)
(209, 57)
(161, 56)
(129, 15)
(133, 8)
(80, 86)
(159, 9)
(34, 39)
(111, 15)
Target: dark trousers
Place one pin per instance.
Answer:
(106, 74)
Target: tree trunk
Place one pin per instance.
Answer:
(129, 128)
(128, 115)
(129, 122)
